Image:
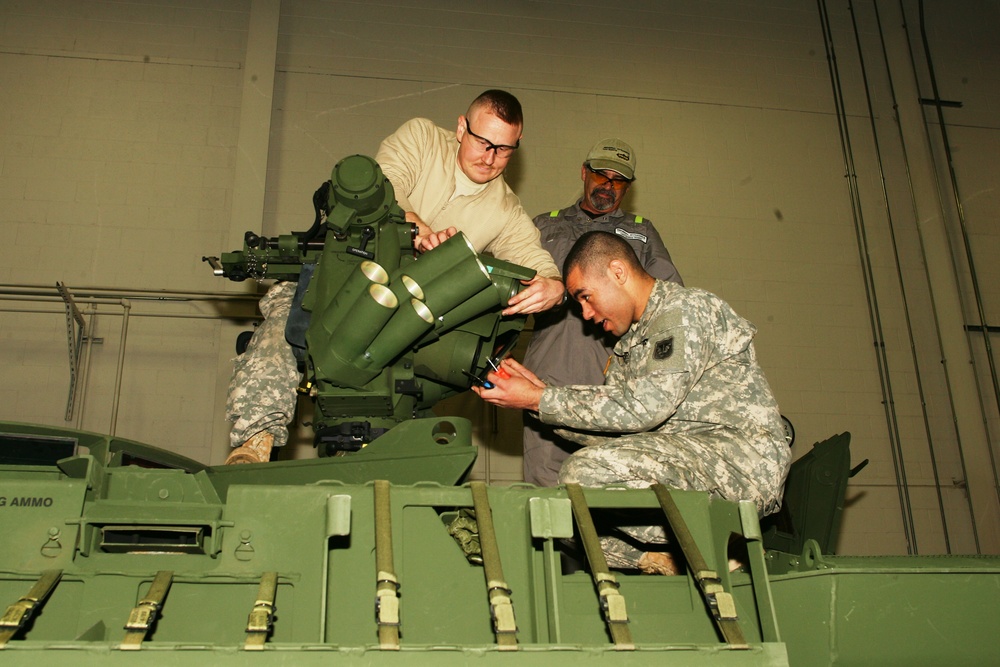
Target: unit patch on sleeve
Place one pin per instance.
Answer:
(663, 349)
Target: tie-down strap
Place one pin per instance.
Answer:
(612, 601)
(720, 601)
(19, 613)
(142, 617)
(386, 584)
(501, 607)
(261, 619)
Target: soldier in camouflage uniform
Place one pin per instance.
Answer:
(262, 391)
(684, 401)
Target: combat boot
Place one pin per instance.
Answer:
(657, 562)
(255, 450)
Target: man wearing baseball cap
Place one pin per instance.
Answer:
(565, 349)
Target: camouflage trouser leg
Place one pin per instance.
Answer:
(698, 462)
(262, 393)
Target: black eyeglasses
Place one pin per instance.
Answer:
(616, 180)
(485, 145)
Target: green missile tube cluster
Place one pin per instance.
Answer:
(382, 332)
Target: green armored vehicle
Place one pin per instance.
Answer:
(378, 552)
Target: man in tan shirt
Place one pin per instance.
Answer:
(445, 182)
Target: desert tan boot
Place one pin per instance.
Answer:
(657, 562)
(255, 450)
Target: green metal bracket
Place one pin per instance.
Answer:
(551, 518)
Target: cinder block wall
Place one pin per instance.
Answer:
(119, 144)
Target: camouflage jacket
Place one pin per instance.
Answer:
(687, 366)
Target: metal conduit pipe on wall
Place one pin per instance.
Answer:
(119, 370)
(870, 288)
(91, 324)
(94, 297)
(967, 244)
(943, 282)
(932, 453)
(898, 265)
(49, 292)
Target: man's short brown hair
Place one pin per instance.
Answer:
(501, 104)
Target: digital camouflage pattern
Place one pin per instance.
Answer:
(684, 403)
(262, 392)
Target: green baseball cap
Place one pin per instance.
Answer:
(613, 155)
